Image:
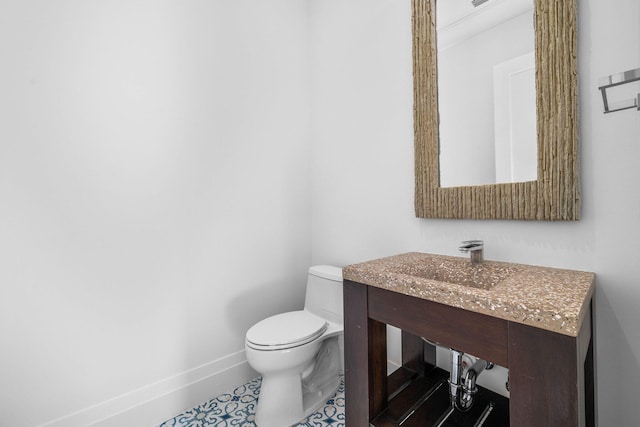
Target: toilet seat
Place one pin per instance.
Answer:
(286, 330)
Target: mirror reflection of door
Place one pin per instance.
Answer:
(486, 92)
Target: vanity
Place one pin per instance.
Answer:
(535, 321)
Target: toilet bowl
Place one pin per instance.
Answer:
(300, 353)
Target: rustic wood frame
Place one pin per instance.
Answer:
(555, 195)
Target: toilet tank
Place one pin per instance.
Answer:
(324, 292)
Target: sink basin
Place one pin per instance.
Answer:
(458, 270)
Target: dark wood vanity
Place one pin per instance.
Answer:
(551, 374)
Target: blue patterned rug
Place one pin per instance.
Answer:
(237, 409)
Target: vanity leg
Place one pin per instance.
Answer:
(412, 353)
(547, 377)
(417, 355)
(365, 347)
(377, 368)
(589, 388)
(589, 374)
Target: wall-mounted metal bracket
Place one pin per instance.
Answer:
(618, 80)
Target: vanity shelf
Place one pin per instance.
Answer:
(418, 400)
(551, 372)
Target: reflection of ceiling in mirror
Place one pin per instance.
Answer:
(458, 20)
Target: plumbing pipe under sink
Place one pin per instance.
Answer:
(462, 385)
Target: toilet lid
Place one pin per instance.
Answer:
(287, 329)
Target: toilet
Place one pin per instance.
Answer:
(300, 353)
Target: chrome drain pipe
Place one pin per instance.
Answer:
(455, 378)
(462, 386)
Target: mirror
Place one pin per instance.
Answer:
(486, 92)
(550, 188)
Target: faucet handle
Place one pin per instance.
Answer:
(470, 245)
(475, 248)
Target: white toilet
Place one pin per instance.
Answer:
(300, 353)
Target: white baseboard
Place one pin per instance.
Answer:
(391, 366)
(152, 404)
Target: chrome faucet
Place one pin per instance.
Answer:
(475, 248)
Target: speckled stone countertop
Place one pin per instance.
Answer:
(547, 298)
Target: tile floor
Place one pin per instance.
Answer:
(238, 409)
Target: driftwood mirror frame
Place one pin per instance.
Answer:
(555, 195)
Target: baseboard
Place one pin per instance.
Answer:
(152, 404)
(391, 366)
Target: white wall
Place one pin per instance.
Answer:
(154, 192)
(363, 172)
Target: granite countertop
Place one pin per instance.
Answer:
(548, 298)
